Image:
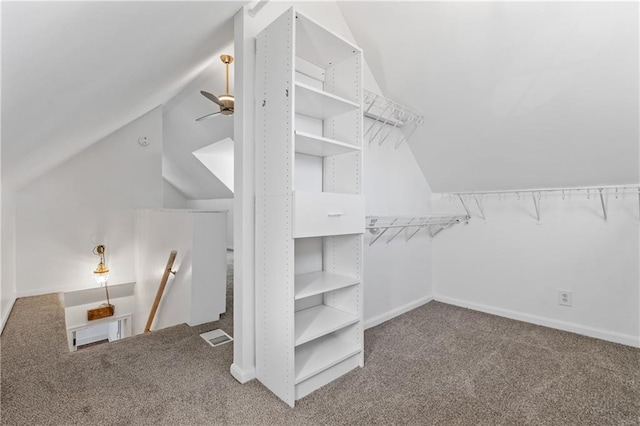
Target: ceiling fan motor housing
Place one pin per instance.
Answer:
(228, 102)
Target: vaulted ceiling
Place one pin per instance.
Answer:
(515, 94)
(73, 72)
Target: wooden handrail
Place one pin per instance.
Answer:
(163, 283)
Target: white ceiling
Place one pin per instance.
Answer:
(73, 72)
(515, 94)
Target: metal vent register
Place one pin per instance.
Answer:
(216, 337)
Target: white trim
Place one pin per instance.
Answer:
(48, 290)
(610, 336)
(124, 319)
(67, 289)
(91, 339)
(241, 375)
(379, 319)
(5, 314)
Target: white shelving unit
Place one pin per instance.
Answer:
(310, 212)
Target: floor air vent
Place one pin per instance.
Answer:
(216, 337)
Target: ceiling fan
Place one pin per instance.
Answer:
(226, 101)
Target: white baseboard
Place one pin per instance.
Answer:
(243, 376)
(379, 319)
(610, 336)
(7, 312)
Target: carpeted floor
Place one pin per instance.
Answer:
(437, 364)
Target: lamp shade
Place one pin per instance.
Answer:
(101, 273)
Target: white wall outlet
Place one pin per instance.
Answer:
(565, 297)
(143, 141)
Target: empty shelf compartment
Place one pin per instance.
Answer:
(320, 104)
(323, 353)
(313, 283)
(319, 321)
(317, 45)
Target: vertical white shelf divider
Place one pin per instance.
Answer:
(309, 288)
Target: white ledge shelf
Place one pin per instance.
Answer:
(321, 354)
(320, 104)
(320, 282)
(319, 321)
(319, 146)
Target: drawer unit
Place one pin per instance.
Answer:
(324, 213)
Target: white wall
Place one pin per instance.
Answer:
(397, 275)
(171, 197)
(200, 267)
(220, 204)
(512, 266)
(90, 199)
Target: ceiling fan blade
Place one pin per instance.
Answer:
(208, 116)
(211, 97)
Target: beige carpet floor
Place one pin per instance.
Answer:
(437, 364)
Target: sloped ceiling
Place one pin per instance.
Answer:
(516, 94)
(73, 72)
(183, 135)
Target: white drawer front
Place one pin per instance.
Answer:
(319, 214)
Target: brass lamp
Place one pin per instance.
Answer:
(101, 275)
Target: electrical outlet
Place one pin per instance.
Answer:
(565, 297)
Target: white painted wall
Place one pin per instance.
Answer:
(196, 293)
(397, 275)
(219, 204)
(171, 197)
(90, 199)
(512, 266)
(511, 88)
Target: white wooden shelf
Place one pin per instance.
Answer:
(320, 104)
(318, 321)
(321, 354)
(309, 144)
(321, 47)
(320, 282)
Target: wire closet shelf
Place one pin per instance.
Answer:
(535, 194)
(388, 116)
(379, 225)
